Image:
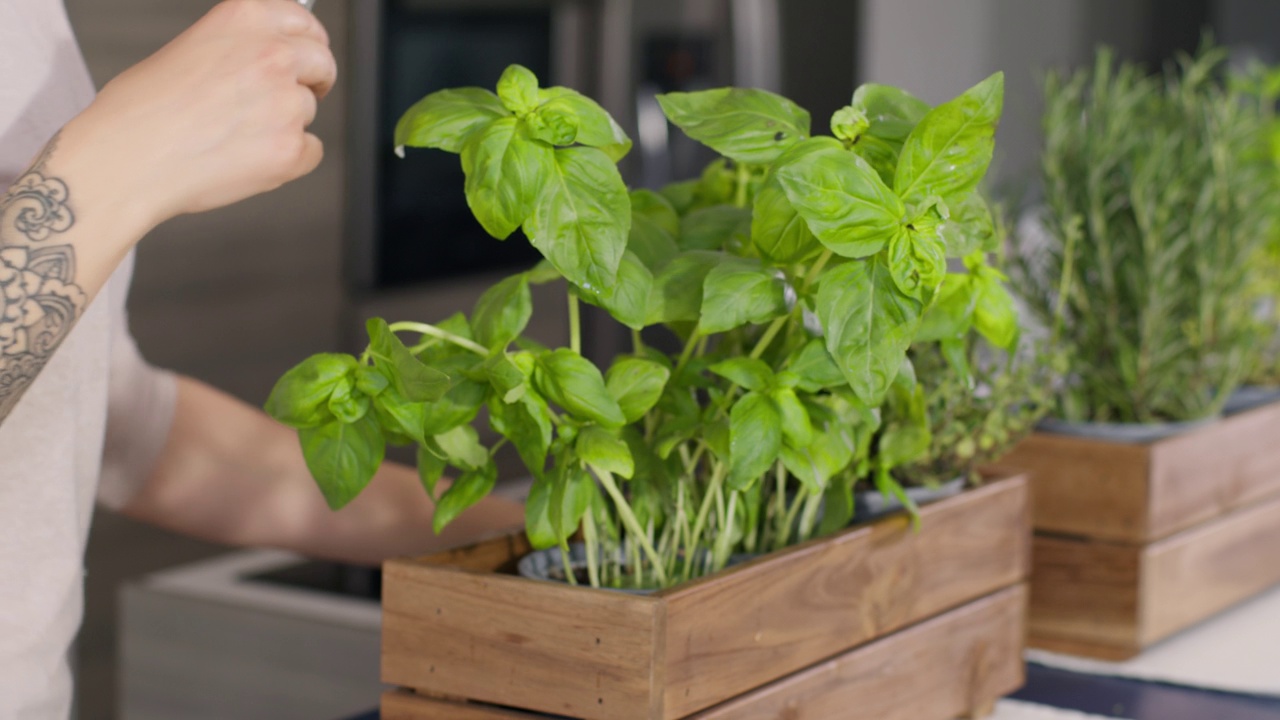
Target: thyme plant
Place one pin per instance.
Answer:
(795, 272)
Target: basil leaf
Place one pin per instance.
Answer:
(681, 195)
(408, 374)
(948, 152)
(677, 290)
(994, 316)
(747, 125)
(575, 384)
(595, 127)
(518, 89)
(571, 490)
(527, 424)
(746, 372)
(755, 439)
(537, 514)
(446, 119)
(627, 300)
(918, 263)
(837, 508)
(893, 112)
(815, 368)
(466, 491)
(461, 447)
(652, 244)
(869, 324)
(506, 377)
(506, 173)
(828, 454)
(951, 314)
(430, 470)
(796, 427)
(502, 312)
(777, 229)
(300, 398)
(657, 209)
(553, 126)
(970, 227)
(845, 203)
(715, 228)
(605, 452)
(369, 381)
(740, 291)
(636, 384)
(399, 417)
(458, 406)
(343, 457)
(582, 222)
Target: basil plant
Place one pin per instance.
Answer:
(793, 276)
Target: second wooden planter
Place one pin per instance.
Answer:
(1137, 542)
(879, 621)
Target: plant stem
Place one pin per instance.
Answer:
(687, 353)
(726, 532)
(575, 324)
(433, 331)
(699, 524)
(569, 577)
(743, 185)
(633, 526)
(637, 342)
(769, 334)
(592, 541)
(817, 268)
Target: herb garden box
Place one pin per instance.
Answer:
(899, 623)
(1136, 542)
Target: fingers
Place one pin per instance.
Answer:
(294, 20)
(315, 65)
(308, 105)
(310, 155)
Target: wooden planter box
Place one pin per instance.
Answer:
(878, 622)
(1136, 542)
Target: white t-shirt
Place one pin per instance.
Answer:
(92, 423)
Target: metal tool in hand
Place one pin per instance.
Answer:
(308, 4)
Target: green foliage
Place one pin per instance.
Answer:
(1158, 197)
(794, 273)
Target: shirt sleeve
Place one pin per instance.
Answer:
(140, 409)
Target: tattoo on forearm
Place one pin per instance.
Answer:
(39, 300)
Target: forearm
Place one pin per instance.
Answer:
(231, 474)
(63, 231)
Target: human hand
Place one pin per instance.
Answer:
(217, 115)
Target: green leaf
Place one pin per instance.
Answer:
(949, 150)
(652, 244)
(796, 427)
(681, 195)
(343, 457)
(970, 227)
(627, 300)
(502, 312)
(575, 384)
(430, 470)
(369, 381)
(604, 451)
(595, 127)
(837, 508)
(918, 263)
(844, 202)
(849, 123)
(951, 314)
(657, 209)
(747, 125)
(300, 398)
(506, 377)
(677, 290)
(740, 291)
(907, 437)
(893, 112)
(554, 126)
(869, 324)
(830, 453)
(518, 89)
(466, 491)
(571, 491)
(400, 417)
(537, 514)
(994, 315)
(749, 373)
(815, 367)
(715, 228)
(414, 380)
(460, 405)
(583, 219)
(461, 447)
(527, 424)
(636, 384)
(755, 439)
(446, 119)
(506, 174)
(777, 229)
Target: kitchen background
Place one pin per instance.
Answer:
(236, 297)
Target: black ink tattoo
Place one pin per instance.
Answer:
(39, 300)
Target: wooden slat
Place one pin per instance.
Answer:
(729, 634)
(498, 554)
(546, 647)
(1198, 573)
(1087, 488)
(1085, 597)
(1208, 473)
(956, 664)
(406, 705)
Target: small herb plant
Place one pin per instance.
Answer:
(795, 273)
(1159, 196)
(1263, 82)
